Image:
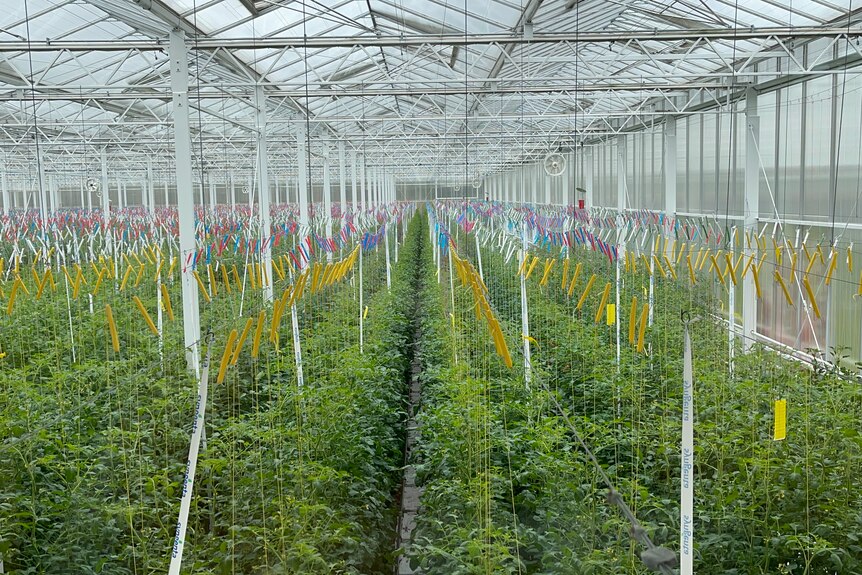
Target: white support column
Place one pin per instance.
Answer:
(363, 206)
(621, 207)
(167, 194)
(7, 206)
(185, 195)
(353, 191)
(327, 203)
(302, 179)
(277, 191)
(43, 196)
(106, 200)
(669, 157)
(263, 206)
(342, 179)
(548, 182)
(568, 175)
(211, 195)
(151, 195)
(751, 211)
(588, 178)
(232, 185)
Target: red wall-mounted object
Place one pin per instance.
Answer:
(580, 204)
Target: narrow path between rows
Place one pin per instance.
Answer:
(410, 492)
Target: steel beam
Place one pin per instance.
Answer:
(751, 210)
(391, 41)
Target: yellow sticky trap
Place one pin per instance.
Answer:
(562, 285)
(756, 275)
(532, 267)
(549, 265)
(612, 314)
(832, 264)
(780, 281)
(166, 302)
(633, 315)
(258, 331)
(574, 279)
(235, 357)
(586, 292)
(146, 315)
(780, 423)
(811, 297)
(226, 356)
(690, 269)
(203, 290)
(112, 328)
(602, 303)
(365, 314)
(642, 330)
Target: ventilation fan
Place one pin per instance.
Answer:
(457, 187)
(92, 185)
(555, 164)
(477, 183)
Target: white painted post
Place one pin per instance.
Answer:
(185, 197)
(7, 206)
(751, 212)
(263, 206)
(342, 179)
(327, 203)
(686, 496)
(302, 179)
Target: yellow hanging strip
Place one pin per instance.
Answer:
(258, 331)
(235, 357)
(811, 297)
(756, 275)
(643, 326)
(146, 315)
(225, 358)
(212, 279)
(780, 281)
(633, 313)
(225, 279)
(166, 302)
(562, 283)
(604, 301)
(584, 295)
(532, 267)
(201, 286)
(833, 263)
(690, 269)
(11, 303)
(574, 279)
(549, 265)
(112, 329)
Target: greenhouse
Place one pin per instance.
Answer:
(438, 287)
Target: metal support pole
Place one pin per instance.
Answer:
(5, 191)
(327, 203)
(185, 196)
(361, 306)
(525, 318)
(151, 195)
(621, 207)
(363, 206)
(263, 206)
(354, 196)
(588, 178)
(302, 180)
(342, 180)
(751, 211)
(669, 157)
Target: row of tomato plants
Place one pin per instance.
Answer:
(535, 505)
(289, 480)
